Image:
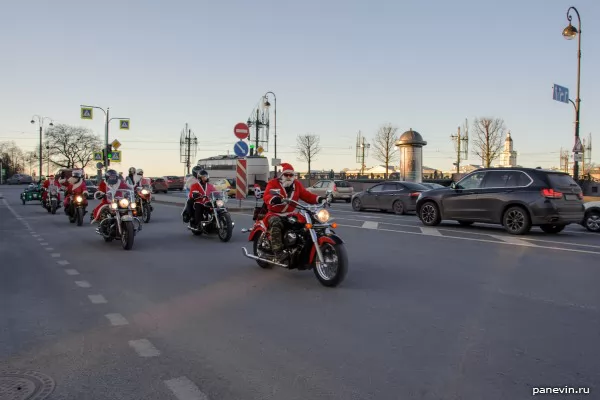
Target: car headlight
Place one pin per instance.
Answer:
(79, 199)
(323, 216)
(123, 203)
(114, 206)
(220, 203)
(145, 192)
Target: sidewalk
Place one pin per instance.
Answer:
(232, 204)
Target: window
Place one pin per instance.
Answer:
(472, 181)
(318, 185)
(561, 180)
(343, 184)
(518, 179)
(497, 179)
(377, 189)
(389, 187)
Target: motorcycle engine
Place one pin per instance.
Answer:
(290, 239)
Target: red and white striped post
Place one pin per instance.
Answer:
(241, 180)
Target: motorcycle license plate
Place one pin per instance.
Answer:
(126, 218)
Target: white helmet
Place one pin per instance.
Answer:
(140, 172)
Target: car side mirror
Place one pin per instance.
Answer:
(453, 185)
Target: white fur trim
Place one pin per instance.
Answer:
(76, 185)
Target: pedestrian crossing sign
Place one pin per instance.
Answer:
(115, 156)
(124, 124)
(97, 156)
(87, 113)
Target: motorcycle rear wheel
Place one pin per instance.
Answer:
(333, 254)
(258, 253)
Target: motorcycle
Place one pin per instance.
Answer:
(216, 217)
(76, 209)
(144, 208)
(308, 233)
(119, 220)
(52, 204)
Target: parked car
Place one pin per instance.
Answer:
(19, 179)
(224, 184)
(342, 190)
(159, 185)
(516, 198)
(91, 188)
(175, 182)
(400, 197)
(591, 219)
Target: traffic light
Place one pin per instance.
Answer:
(108, 154)
(251, 149)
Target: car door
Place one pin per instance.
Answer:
(461, 203)
(496, 190)
(391, 192)
(370, 196)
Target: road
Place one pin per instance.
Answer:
(446, 313)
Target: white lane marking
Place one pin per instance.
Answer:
(35, 235)
(71, 272)
(40, 240)
(62, 262)
(370, 225)
(97, 299)
(44, 243)
(117, 319)
(55, 255)
(49, 248)
(144, 348)
(185, 389)
(83, 284)
(513, 240)
(557, 242)
(427, 230)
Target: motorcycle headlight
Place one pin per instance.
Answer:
(133, 206)
(145, 192)
(123, 203)
(79, 199)
(323, 216)
(114, 206)
(220, 203)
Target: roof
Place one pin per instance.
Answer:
(411, 137)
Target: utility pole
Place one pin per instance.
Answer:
(188, 145)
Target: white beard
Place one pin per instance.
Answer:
(287, 182)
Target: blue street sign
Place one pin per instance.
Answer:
(240, 149)
(560, 93)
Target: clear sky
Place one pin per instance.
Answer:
(337, 67)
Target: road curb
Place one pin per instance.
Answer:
(183, 204)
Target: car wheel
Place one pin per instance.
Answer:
(591, 221)
(398, 207)
(357, 204)
(429, 214)
(516, 221)
(552, 228)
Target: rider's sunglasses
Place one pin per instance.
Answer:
(287, 175)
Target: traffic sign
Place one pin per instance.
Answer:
(578, 148)
(560, 93)
(114, 156)
(99, 165)
(260, 150)
(87, 113)
(241, 130)
(124, 124)
(116, 144)
(240, 149)
(276, 162)
(578, 157)
(97, 155)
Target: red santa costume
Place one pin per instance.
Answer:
(46, 185)
(103, 188)
(198, 188)
(289, 188)
(76, 187)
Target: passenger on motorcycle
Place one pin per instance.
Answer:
(289, 188)
(195, 203)
(76, 187)
(131, 177)
(111, 182)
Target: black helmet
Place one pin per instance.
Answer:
(196, 171)
(111, 177)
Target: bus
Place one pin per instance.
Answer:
(224, 167)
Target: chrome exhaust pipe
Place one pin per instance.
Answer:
(252, 256)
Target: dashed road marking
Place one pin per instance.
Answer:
(44, 243)
(83, 284)
(49, 248)
(97, 299)
(40, 240)
(55, 255)
(513, 240)
(370, 225)
(35, 236)
(71, 272)
(427, 230)
(185, 389)
(144, 348)
(62, 262)
(117, 319)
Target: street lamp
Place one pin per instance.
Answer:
(40, 121)
(107, 121)
(570, 32)
(267, 105)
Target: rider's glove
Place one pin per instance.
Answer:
(276, 200)
(321, 200)
(195, 195)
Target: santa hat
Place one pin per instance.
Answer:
(286, 169)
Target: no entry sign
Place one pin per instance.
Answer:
(241, 130)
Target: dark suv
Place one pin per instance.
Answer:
(517, 198)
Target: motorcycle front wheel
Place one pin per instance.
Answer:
(336, 265)
(127, 235)
(79, 216)
(146, 213)
(53, 208)
(226, 230)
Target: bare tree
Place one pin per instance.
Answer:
(308, 147)
(71, 146)
(489, 138)
(384, 146)
(10, 154)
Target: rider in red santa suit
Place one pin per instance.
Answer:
(111, 182)
(289, 188)
(76, 187)
(46, 185)
(195, 204)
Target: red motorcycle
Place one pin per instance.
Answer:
(309, 242)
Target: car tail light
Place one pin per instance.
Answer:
(551, 194)
(580, 196)
(415, 194)
(334, 187)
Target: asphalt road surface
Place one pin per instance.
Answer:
(445, 313)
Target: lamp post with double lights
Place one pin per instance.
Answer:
(267, 105)
(570, 32)
(40, 121)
